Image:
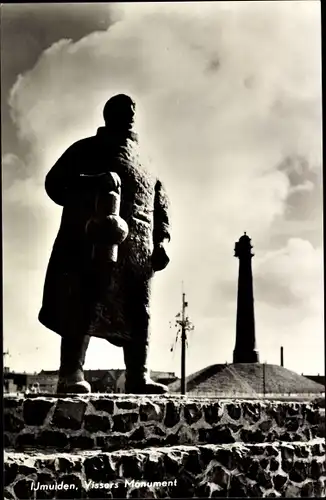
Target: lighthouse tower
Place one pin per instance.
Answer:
(245, 346)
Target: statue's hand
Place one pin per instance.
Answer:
(110, 181)
(160, 258)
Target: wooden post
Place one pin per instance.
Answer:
(183, 347)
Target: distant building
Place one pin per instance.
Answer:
(14, 382)
(100, 380)
(47, 381)
(103, 381)
(165, 378)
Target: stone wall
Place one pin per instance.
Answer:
(234, 470)
(114, 422)
(104, 446)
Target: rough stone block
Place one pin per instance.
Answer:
(279, 481)
(302, 452)
(69, 414)
(192, 462)
(234, 411)
(185, 487)
(82, 443)
(10, 472)
(266, 425)
(299, 472)
(13, 422)
(217, 435)
(13, 402)
(74, 487)
(124, 422)
(103, 404)
(48, 463)
(287, 452)
(292, 424)
(53, 439)
(26, 440)
(114, 442)
(36, 410)
(220, 476)
(252, 436)
(138, 434)
(292, 490)
(23, 489)
(318, 449)
(183, 435)
(127, 405)
(95, 423)
(192, 413)
(271, 451)
(307, 490)
(317, 469)
(172, 416)
(238, 486)
(277, 413)
(171, 464)
(150, 411)
(8, 440)
(264, 479)
(312, 416)
(131, 466)
(26, 470)
(253, 468)
(45, 479)
(154, 430)
(154, 468)
(99, 468)
(213, 413)
(251, 411)
(64, 465)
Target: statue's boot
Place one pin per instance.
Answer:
(71, 374)
(138, 380)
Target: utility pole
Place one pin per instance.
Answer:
(185, 326)
(183, 345)
(264, 380)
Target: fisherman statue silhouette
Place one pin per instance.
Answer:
(112, 239)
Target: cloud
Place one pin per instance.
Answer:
(226, 93)
(291, 277)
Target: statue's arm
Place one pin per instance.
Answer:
(161, 232)
(60, 178)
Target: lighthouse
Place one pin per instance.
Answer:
(245, 345)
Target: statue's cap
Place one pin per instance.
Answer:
(244, 237)
(120, 107)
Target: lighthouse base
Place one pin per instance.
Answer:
(245, 356)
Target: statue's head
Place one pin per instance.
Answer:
(119, 112)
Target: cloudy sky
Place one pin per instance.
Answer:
(229, 101)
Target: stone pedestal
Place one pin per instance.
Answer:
(101, 446)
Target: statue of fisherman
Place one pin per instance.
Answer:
(112, 239)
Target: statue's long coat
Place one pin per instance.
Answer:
(82, 296)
